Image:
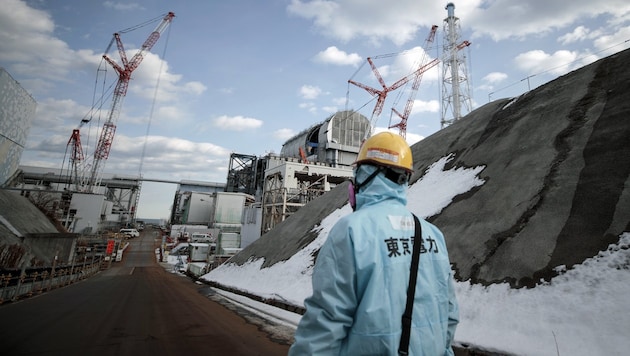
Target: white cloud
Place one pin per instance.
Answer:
(494, 77)
(614, 42)
(503, 19)
(399, 21)
(346, 20)
(538, 61)
(284, 134)
(168, 156)
(335, 56)
(51, 115)
(579, 33)
(122, 6)
(310, 92)
(237, 123)
(425, 106)
(169, 113)
(330, 109)
(29, 48)
(413, 138)
(153, 73)
(341, 101)
(308, 106)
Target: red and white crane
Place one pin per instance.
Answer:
(124, 71)
(416, 75)
(402, 125)
(380, 94)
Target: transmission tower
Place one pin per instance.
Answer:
(455, 86)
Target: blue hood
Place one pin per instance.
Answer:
(378, 189)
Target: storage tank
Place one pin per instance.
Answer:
(336, 141)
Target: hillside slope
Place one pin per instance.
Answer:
(557, 167)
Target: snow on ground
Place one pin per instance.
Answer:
(583, 311)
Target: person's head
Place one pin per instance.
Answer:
(389, 154)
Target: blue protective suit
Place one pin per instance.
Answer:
(361, 276)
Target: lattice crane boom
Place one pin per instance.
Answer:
(380, 94)
(106, 137)
(417, 75)
(76, 156)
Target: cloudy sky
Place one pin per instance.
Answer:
(243, 76)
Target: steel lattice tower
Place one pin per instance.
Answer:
(455, 86)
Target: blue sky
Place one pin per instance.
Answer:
(244, 76)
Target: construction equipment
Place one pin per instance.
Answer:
(76, 157)
(303, 155)
(402, 125)
(380, 94)
(101, 152)
(416, 75)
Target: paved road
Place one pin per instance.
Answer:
(134, 308)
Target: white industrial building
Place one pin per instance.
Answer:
(310, 164)
(113, 207)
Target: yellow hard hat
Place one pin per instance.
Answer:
(386, 149)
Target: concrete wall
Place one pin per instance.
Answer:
(17, 110)
(27, 237)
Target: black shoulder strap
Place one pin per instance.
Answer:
(403, 349)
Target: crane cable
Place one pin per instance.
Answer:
(146, 23)
(155, 94)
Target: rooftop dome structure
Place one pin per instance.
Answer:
(335, 141)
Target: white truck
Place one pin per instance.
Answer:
(130, 232)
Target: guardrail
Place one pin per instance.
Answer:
(15, 285)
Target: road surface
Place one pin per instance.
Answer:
(135, 307)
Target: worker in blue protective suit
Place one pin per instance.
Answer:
(361, 274)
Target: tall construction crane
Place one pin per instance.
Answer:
(101, 153)
(381, 94)
(402, 125)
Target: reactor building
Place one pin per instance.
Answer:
(311, 163)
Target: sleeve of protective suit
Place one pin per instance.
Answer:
(329, 311)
